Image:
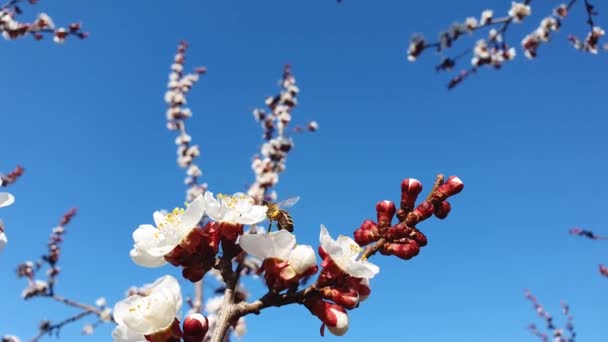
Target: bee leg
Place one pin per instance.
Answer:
(269, 227)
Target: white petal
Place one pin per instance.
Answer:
(159, 218)
(122, 334)
(302, 258)
(6, 199)
(274, 245)
(341, 325)
(154, 241)
(193, 214)
(3, 241)
(152, 313)
(142, 258)
(362, 269)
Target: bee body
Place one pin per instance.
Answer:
(281, 216)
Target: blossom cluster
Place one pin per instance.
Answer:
(11, 28)
(178, 86)
(46, 288)
(495, 51)
(7, 199)
(270, 163)
(567, 334)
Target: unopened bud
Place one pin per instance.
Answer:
(604, 270)
(399, 231)
(332, 315)
(194, 273)
(349, 298)
(404, 251)
(420, 238)
(450, 188)
(421, 213)
(195, 327)
(367, 233)
(410, 189)
(442, 210)
(386, 210)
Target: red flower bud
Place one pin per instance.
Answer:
(419, 238)
(421, 213)
(399, 231)
(451, 187)
(348, 298)
(410, 189)
(386, 210)
(404, 251)
(332, 315)
(604, 270)
(367, 233)
(195, 328)
(442, 210)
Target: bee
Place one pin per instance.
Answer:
(281, 216)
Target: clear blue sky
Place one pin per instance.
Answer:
(86, 119)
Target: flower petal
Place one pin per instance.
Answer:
(193, 214)
(123, 334)
(274, 245)
(144, 259)
(6, 199)
(302, 258)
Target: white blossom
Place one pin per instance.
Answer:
(238, 208)
(280, 245)
(152, 243)
(345, 253)
(145, 315)
(519, 11)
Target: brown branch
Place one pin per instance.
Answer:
(47, 329)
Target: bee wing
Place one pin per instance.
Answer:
(290, 202)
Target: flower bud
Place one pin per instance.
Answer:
(386, 210)
(419, 238)
(367, 233)
(332, 315)
(399, 231)
(302, 259)
(364, 289)
(410, 189)
(348, 298)
(442, 210)
(451, 187)
(604, 270)
(195, 327)
(404, 251)
(421, 213)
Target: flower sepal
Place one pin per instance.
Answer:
(173, 333)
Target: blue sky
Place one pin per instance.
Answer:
(86, 119)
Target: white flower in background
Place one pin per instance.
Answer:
(280, 245)
(519, 11)
(486, 16)
(152, 243)
(6, 199)
(3, 239)
(144, 315)
(101, 302)
(345, 253)
(238, 208)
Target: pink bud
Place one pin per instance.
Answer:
(367, 233)
(451, 187)
(386, 210)
(442, 210)
(195, 327)
(410, 189)
(420, 238)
